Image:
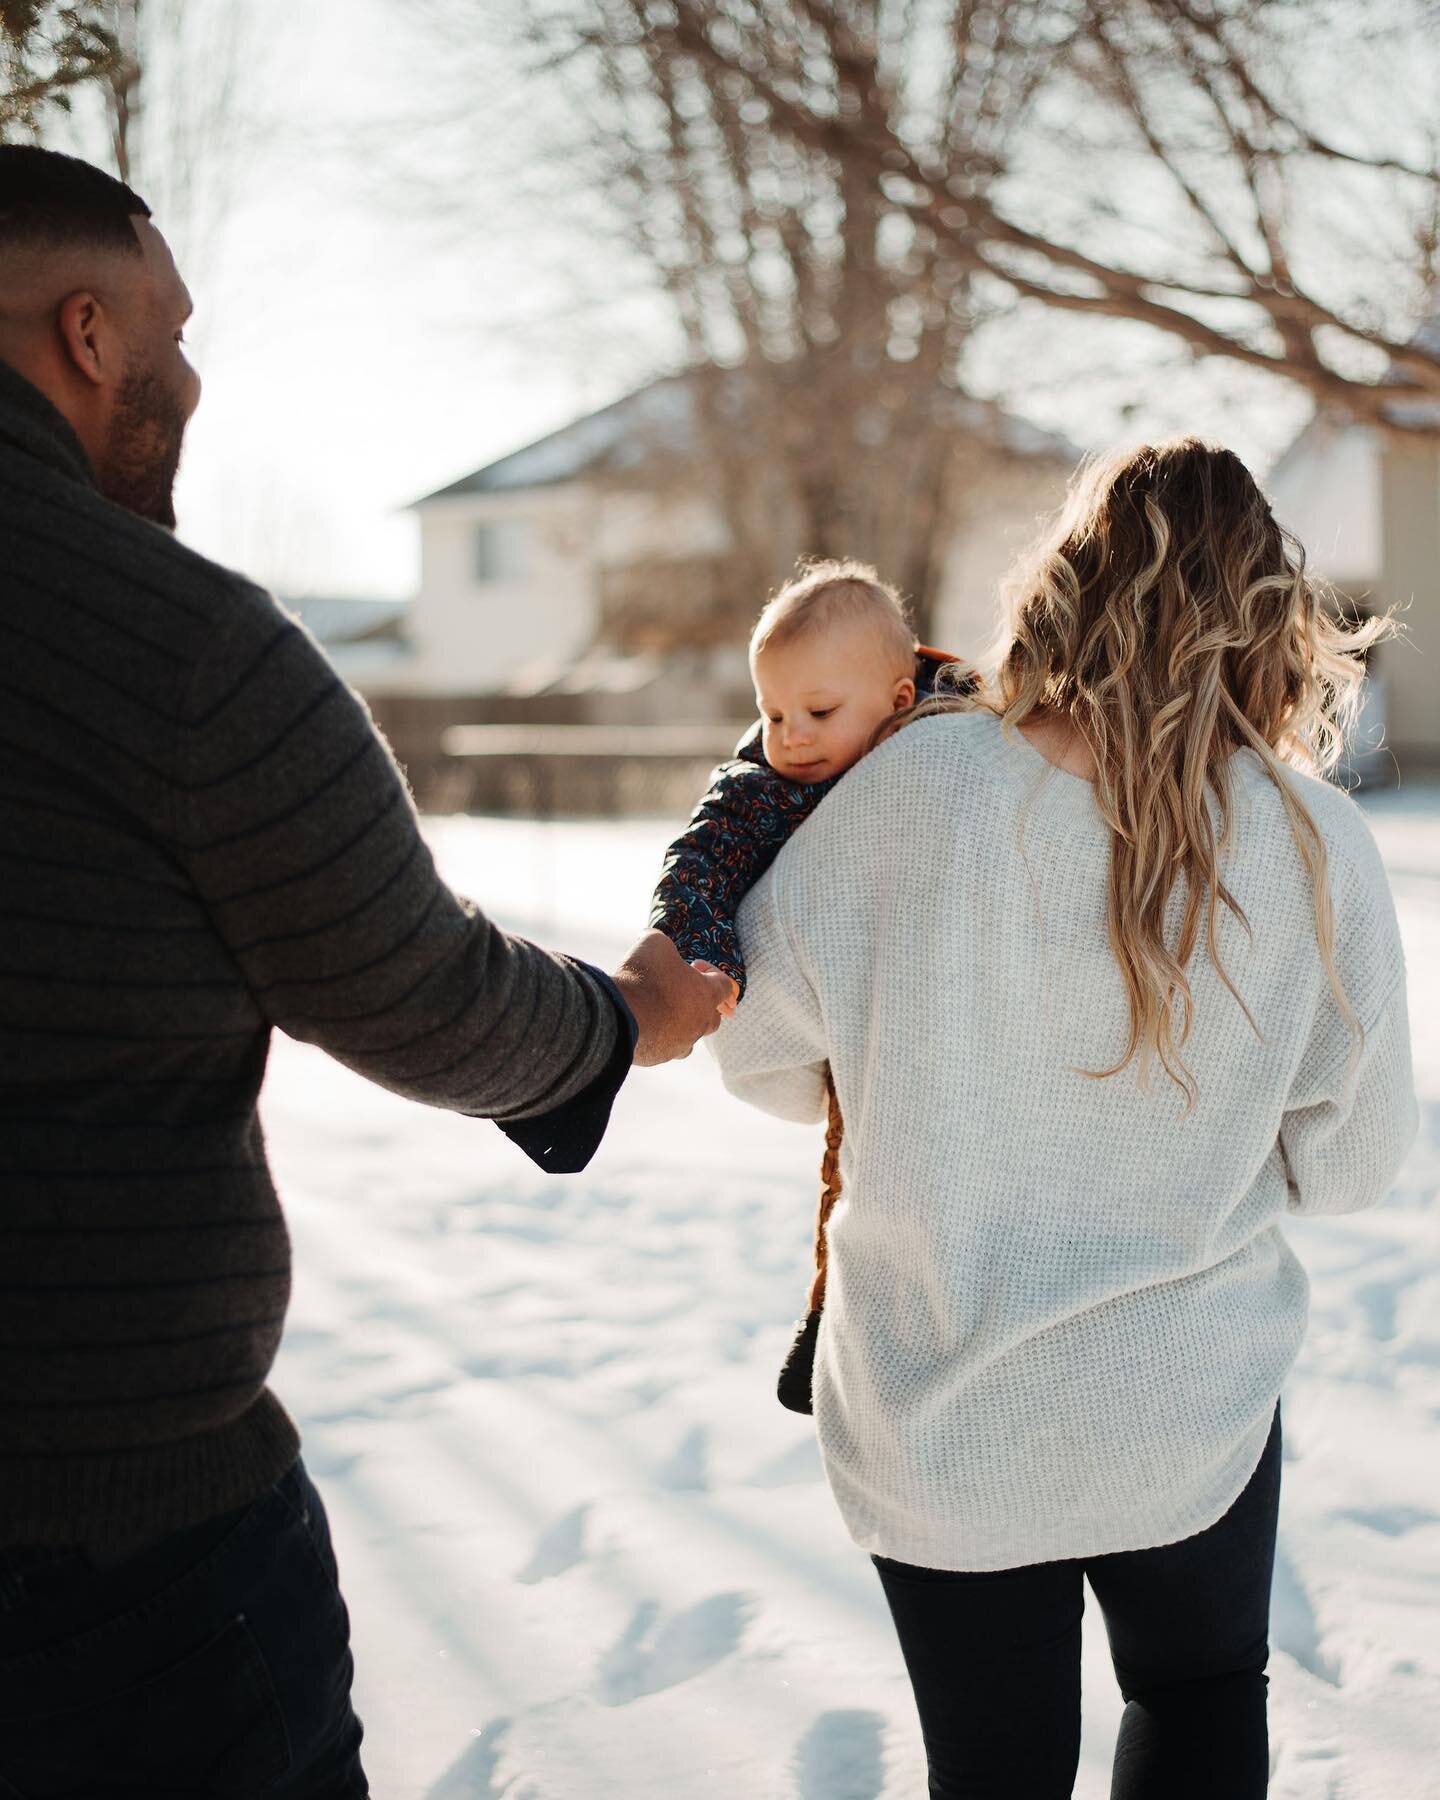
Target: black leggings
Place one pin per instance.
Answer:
(994, 1659)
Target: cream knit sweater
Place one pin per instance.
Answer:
(1059, 1312)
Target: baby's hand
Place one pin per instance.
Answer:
(726, 1008)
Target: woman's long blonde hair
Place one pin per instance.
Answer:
(1171, 620)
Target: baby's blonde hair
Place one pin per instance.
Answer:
(827, 593)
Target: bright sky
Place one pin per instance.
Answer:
(357, 354)
(351, 362)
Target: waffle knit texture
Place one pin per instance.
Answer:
(202, 837)
(1059, 1312)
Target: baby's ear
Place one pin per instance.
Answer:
(904, 694)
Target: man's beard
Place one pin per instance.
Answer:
(142, 456)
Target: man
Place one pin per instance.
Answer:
(202, 837)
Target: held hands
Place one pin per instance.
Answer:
(674, 1003)
(732, 989)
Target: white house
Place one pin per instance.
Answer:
(1366, 506)
(517, 557)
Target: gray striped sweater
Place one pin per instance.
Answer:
(202, 837)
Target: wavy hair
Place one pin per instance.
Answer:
(1171, 621)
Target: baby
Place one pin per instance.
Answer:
(832, 658)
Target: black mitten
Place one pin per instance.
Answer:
(798, 1374)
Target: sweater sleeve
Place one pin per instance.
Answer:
(1350, 1116)
(295, 826)
(734, 835)
(773, 1052)
(1344, 1148)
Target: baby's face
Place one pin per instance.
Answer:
(821, 697)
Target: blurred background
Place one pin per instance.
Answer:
(540, 337)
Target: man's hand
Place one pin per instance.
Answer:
(674, 1004)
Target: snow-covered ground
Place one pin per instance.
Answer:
(588, 1556)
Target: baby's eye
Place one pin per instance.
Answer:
(774, 718)
(824, 713)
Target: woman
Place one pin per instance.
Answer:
(1109, 982)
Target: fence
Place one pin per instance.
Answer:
(540, 771)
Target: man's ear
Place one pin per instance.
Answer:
(87, 337)
(904, 694)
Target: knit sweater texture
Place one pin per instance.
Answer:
(1059, 1311)
(202, 837)
(735, 833)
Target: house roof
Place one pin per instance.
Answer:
(343, 619)
(661, 417)
(664, 409)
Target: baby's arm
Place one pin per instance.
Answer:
(735, 834)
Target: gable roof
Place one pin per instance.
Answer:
(663, 410)
(335, 619)
(662, 417)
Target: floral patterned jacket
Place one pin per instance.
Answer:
(737, 831)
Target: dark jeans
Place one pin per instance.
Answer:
(994, 1659)
(212, 1662)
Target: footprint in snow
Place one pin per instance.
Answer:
(647, 1389)
(1379, 1301)
(842, 1757)
(559, 1548)
(1314, 1770)
(685, 1472)
(1394, 1521)
(1293, 1625)
(472, 1774)
(652, 1654)
(1376, 1301)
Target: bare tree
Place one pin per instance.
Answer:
(172, 117)
(1247, 228)
(149, 86)
(47, 52)
(823, 321)
(843, 202)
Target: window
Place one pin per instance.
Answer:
(499, 552)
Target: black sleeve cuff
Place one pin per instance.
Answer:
(563, 1140)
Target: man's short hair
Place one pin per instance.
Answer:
(54, 202)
